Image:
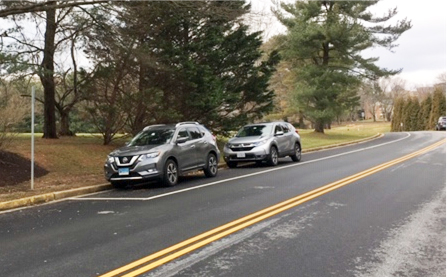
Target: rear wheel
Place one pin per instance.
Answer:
(232, 164)
(211, 166)
(273, 157)
(296, 157)
(170, 176)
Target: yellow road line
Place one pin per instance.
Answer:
(142, 265)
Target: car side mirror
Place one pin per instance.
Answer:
(182, 139)
(279, 133)
(127, 143)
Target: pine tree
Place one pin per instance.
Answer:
(424, 114)
(196, 61)
(398, 115)
(438, 107)
(413, 114)
(324, 42)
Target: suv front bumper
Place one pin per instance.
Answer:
(140, 171)
(256, 154)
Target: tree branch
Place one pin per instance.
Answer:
(44, 6)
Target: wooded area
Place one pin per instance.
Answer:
(115, 67)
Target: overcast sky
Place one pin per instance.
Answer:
(422, 50)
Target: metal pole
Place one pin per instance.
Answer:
(33, 94)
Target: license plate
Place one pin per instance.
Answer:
(123, 171)
(241, 155)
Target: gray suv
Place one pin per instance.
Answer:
(163, 152)
(263, 142)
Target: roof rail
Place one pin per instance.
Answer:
(152, 126)
(187, 122)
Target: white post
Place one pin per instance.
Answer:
(33, 95)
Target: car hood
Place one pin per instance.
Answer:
(246, 140)
(136, 150)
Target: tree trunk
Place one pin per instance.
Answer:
(301, 120)
(319, 127)
(47, 75)
(65, 124)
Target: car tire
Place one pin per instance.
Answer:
(232, 164)
(170, 173)
(296, 157)
(211, 167)
(273, 156)
(118, 184)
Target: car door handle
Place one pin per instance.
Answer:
(193, 146)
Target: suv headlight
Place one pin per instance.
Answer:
(259, 143)
(148, 156)
(110, 159)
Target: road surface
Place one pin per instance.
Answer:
(370, 209)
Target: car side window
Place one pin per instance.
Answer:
(183, 133)
(194, 132)
(285, 128)
(278, 129)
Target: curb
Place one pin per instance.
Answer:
(58, 195)
(52, 196)
(315, 149)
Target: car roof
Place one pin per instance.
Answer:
(171, 126)
(268, 123)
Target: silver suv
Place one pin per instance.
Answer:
(441, 124)
(163, 152)
(263, 142)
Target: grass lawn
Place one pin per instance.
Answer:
(341, 134)
(78, 161)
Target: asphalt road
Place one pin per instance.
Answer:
(348, 211)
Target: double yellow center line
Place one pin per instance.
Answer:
(161, 257)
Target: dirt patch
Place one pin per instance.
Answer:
(15, 169)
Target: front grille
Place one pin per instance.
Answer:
(247, 156)
(125, 159)
(239, 149)
(115, 166)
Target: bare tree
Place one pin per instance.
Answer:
(13, 109)
(8, 8)
(42, 55)
(371, 95)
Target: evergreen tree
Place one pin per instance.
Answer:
(438, 107)
(398, 115)
(424, 114)
(324, 41)
(194, 61)
(413, 115)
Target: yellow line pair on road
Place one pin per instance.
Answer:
(161, 257)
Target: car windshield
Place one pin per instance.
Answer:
(152, 137)
(255, 131)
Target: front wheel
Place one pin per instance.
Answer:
(296, 157)
(170, 176)
(273, 157)
(211, 166)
